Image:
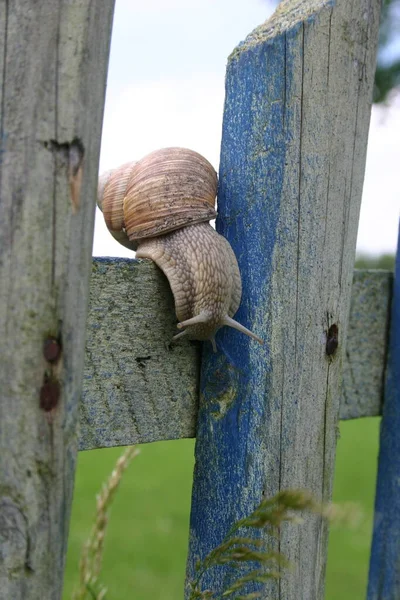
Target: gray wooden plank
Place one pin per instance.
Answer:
(367, 343)
(139, 387)
(54, 61)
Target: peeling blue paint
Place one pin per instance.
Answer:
(229, 474)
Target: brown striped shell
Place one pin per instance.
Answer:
(164, 191)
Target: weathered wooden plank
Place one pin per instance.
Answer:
(54, 61)
(139, 387)
(367, 342)
(384, 574)
(298, 96)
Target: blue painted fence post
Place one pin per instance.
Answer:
(297, 108)
(384, 574)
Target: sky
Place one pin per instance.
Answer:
(165, 87)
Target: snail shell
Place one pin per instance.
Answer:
(166, 190)
(160, 206)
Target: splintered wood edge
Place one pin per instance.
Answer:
(138, 387)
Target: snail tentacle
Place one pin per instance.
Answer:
(232, 323)
(203, 317)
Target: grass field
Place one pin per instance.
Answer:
(146, 542)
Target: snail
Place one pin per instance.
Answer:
(161, 206)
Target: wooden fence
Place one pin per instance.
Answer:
(298, 99)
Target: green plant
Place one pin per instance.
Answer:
(92, 553)
(239, 545)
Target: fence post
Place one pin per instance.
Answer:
(384, 574)
(297, 108)
(53, 59)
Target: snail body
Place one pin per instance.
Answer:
(160, 207)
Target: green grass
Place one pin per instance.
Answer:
(146, 543)
(355, 478)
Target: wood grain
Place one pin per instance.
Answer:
(138, 386)
(54, 58)
(297, 108)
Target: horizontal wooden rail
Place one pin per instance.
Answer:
(367, 343)
(139, 387)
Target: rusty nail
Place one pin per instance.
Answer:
(51, 350)
(49, 394)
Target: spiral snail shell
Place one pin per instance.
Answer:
(160, 206)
